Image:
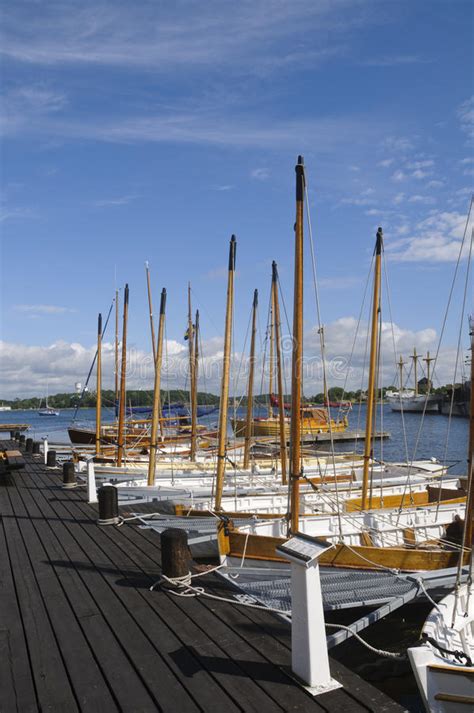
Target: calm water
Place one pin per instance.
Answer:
(433, 440)
(401, 628)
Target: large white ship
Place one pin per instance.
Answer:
(410, 400)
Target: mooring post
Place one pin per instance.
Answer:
(17, 436)
(69, 475)
(175, 557)
(36, 448)
(22, 440)
(51, 459)
(91, 484)
(45, 450)
(108, 505)
(29, 445)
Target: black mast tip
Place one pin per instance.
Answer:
(378, 246)
(232, 252)
(300, 161)
(255, 298)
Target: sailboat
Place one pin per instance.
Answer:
(406, 540)
(47, 410)
(443, 663)
(410, 400)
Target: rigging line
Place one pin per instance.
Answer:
(458, 351)
(390, 314)
(242, 357)
(93, 363)
(438, 348)
(282, 300)
(322, 347)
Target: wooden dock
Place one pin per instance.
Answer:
(81, 631)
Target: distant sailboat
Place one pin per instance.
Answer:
(47, 410)
(410, 400)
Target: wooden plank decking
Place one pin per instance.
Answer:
(80, 630)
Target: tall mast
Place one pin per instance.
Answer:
(297, 355)
(249, 421)
(415, 358)
(401, 364)
(428, 361)
(469, 518)
(194, 389)
(156, 391)
(150, 308)
(190, 334)
(271, 359)
(116, 347)
(224, 402)
(98, 411)
(281, 396)
(123, 378)
(372, 367)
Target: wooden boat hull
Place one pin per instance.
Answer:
(271, 427)
(235, 544)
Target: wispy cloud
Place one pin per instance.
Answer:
(466, 116)
(115, 34)
(435, 239)
(39, 309)
(393, 61)
(260, 174)
(110, 202)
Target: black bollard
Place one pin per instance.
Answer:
(22, 440)
(17, 435)
(36, 448)
(69, 475)
(175, 557)
(12, 435)
(51, 459)
(108, 505)
(29, 445)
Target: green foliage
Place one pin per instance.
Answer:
(134, 398)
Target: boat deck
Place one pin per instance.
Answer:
(81, 631)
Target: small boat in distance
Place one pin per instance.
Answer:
(47, 410)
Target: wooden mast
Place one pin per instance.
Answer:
(281, 396)
(224, 402)
(297, 355)
(150, 307)
(98, 412)
(116, 346)
(401, 364)
(194, 389)
(415, 358)
(123, 377)
(156, 392)
(271, 358)
(249, 420)
(190, 335)
(469, 526)
(372, 367)
(428, 361)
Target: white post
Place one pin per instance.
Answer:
(309, 650)
(309, 653)
(91, 485)
(45, 450)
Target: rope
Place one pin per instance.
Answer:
(184, 583)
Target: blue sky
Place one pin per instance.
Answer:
(153, 131)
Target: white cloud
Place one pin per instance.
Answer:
(420, 164)
(386, 163)
(466, 116)
(260, 174)
(419, 174)
(435, 184)
(398, 176)
(427, 200)
(435, 239)
(108, 202)
(36, 310)
(399, 198)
